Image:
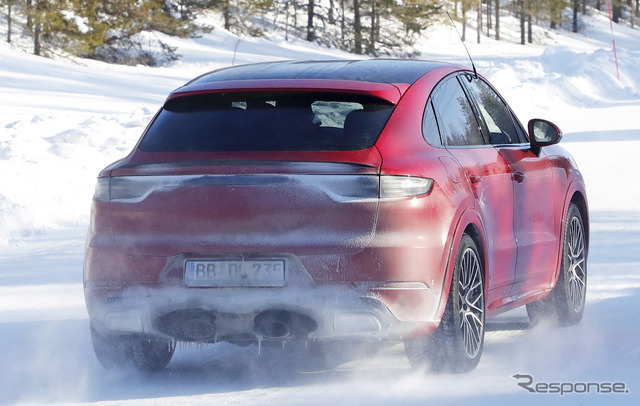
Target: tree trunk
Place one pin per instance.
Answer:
(342, 21)
(617, 12)
(331, 17)
(9, 22)
(497, 20)
(576, 6)
(372, 40)
(479, 22)
(522, 21)
(357, 27)
(226, 12)
(464, 24)
(286, 21)
(529, 29)
(310, 28)
(29, 14)
(36, 39)
(489, 22)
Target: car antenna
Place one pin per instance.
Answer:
(475, 72)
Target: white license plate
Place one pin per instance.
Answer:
(226, 273)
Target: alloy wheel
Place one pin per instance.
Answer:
(471, 300)
(576, 281)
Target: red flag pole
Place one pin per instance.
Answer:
(615, 55)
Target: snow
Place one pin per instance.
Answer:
(64, 120)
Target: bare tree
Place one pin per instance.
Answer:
(357, 27)
(479, 20)
(9, 4)
(373, 29)
(522, 21)
(576, 8)
(497, 20)
(464, 6)
(310, 28)
(332, 19)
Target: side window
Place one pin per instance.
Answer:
(524, 138)
(494, 112)
(430, 126)
(456, 120)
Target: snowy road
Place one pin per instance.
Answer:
(47, 355)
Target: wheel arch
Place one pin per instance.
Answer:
(580, 201)
(576, 194)
(473, 230)
(468, 223)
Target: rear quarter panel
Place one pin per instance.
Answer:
(432, 225)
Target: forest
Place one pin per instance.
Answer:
(130, 31)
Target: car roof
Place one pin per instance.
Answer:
(389, 71)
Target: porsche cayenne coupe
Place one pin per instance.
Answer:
(302, 201)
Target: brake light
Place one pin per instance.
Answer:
(102, 191)
(404, 186)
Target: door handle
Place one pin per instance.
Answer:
(519, 176)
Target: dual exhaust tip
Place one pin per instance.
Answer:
(205, 326)
(282, 324)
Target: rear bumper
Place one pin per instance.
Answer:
(153, 282)
(249, 314)
(388, 291)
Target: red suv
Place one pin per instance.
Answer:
(377, 199)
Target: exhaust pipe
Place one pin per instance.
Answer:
(273, 329)
(282, 324)
(195, 325)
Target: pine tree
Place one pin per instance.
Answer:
(416, 15)
(53, 25)
(555, 12)
(10, 7)
(117, 28)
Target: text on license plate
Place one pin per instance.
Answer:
(220, 273)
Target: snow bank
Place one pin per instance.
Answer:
(49, 165)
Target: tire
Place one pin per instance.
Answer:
(566, 301)
(456, 345)
(139, 352)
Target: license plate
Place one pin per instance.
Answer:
(229, 273)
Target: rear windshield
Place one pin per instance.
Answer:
(267, 122)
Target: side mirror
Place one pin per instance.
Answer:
(543, 133)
